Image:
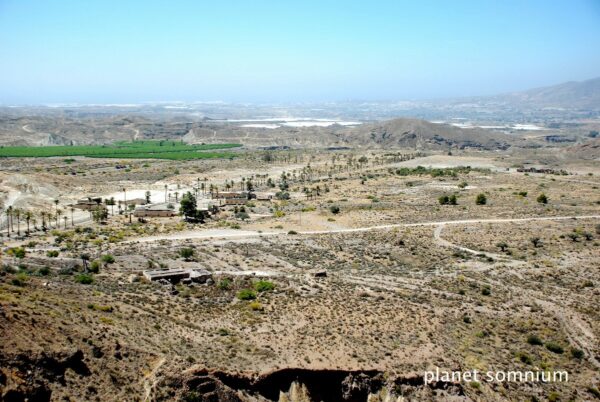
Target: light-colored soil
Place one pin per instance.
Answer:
(406, 284)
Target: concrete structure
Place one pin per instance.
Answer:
(231, 197)
(262, 196)
(155, 210)
(231, 194)
(198, 275)
(87, 204)
(233, 201)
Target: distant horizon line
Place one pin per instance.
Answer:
(271, 103)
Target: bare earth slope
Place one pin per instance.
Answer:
(422, 134)
(63, 128)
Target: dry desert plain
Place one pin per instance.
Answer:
(351, 283)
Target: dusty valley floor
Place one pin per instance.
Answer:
(350, 284)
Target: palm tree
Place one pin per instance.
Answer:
(9, 217)
(28, 216)
(43, 214)
(18, 216)
(72, 210)
(166, 187)
(65, 219)
(58, 214)
(56, 206)
(8, 221)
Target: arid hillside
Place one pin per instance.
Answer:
(76, 128)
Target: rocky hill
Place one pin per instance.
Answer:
(61, 129)
(589, 150)
(420, 134)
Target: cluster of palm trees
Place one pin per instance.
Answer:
(340, 163)
(48, 219)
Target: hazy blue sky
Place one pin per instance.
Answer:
(131, 51)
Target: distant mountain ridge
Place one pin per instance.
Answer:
(569, 95)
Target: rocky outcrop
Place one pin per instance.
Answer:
(28, 377)
(55, 139)
(305, 385)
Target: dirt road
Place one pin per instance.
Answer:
(231, 233)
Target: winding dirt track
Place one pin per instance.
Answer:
(240, 234)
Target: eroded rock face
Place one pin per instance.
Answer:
(305, 385)
(27, 377)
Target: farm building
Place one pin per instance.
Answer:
(262, 196)
(231, 194)
(155, 210)
(233, 201)
(87, 204)
(231, 197)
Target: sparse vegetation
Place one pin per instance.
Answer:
(481, 199)
(108, 259)
(535, 340)
(542, 199)
(225, 284)
(554, 347)
(246, 294)
(84, 279)
(263, 286)
(187, 253)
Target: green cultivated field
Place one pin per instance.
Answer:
(154, 149)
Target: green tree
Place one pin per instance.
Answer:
(481, 199)
(242, 215)
(188, 205)
(100, 214)
(542, 199)
(111, 201)
(28, 216)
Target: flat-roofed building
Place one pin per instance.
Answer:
(155, 210)
(87, 204)
(198, 275)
